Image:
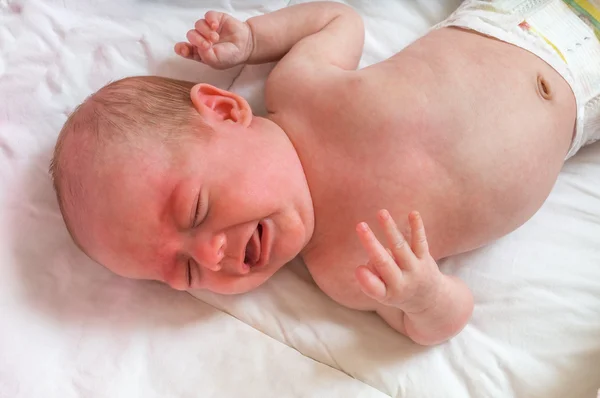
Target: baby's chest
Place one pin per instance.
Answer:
(335, 277)
(333, 270)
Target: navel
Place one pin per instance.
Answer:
(543, 87)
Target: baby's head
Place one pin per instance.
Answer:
(166, 180)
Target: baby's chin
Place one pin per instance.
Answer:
(238, 288)
(243, 283)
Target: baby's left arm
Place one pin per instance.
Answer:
(319, 31)
(414, 297)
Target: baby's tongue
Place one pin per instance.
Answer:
(253, 249)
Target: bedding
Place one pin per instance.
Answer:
(69, 328)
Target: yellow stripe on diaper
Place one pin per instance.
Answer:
(526, 26)
(586, 10)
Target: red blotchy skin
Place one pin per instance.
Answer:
(473, 142)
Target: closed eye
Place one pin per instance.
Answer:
(196, 211)
(199, 209)
(189, 273)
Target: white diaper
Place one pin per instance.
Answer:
(564, 33)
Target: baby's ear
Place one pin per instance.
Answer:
(213, 103)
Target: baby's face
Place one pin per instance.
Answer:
(222, 215)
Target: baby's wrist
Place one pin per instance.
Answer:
(447, 315)
(250, 43)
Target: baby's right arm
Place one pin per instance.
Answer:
(323, 32)
(411, 293)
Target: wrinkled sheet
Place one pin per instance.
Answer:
(69, 328)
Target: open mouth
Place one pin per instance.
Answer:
(253, 247)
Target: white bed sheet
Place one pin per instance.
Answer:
(68, 328)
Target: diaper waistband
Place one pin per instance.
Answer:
(561, 32)
(569, 27)
(572, 28)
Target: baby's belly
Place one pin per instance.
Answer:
(506, 119)
(464, 136)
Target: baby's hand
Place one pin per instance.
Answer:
(405, 276)
(219, 40)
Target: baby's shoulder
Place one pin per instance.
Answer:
(294, 85)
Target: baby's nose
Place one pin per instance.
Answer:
(209, 253)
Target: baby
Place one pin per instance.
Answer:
(470, 125)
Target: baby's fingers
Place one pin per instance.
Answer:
(379, 258)
(183, 49)
(213, 19)
(203, 27)
(371, 284)
(186, 50)
(198, 40)
(419, 239)
(400, 249)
